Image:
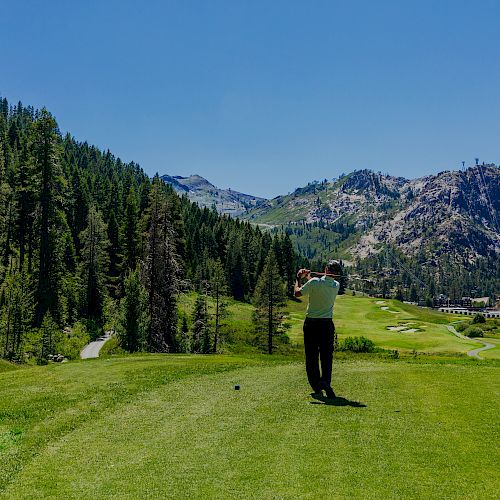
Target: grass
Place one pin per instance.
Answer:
(354, 316)
(5, 366)
(173, 426)
(491, 353)
(364, 316)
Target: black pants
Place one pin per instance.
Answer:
(318, 340)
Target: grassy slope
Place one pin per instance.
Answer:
(5, 366)
(173, 426)
(356, 316)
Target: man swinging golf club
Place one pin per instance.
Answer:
(319, 329)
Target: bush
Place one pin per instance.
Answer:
(478, 318)
(462, 326)
(74, 340)
(357, 344)
(487, 327)
(473, 331)
(111, 347)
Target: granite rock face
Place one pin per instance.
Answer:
(452, 212)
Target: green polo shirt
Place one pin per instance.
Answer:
(322, 293)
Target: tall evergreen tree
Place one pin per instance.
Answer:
(17, 313)
(269, 302)
(115, 256)
(161, 274)
(94, 266)
(132, 326)
(46, 156)
(218, 289)
(201, 328)
(130, 231)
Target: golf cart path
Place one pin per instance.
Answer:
(92, 350)
(475, 352)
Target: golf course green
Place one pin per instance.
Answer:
(156, 426)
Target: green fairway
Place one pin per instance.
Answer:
(358, 316)
(173, 426)
(363, 316)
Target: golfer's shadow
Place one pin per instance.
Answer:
(337, 401)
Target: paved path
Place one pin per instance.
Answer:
(475, 352)
(92, 350)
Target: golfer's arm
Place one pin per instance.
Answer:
(296, 291)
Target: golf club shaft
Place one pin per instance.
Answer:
(325, 274)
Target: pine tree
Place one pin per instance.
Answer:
(269, 302)
(161, 274)
(218, 289)
(17, 313)
(46, 156)
(94, 266)
(132, 325)
(200, 330)
(130, 230)
(25, 196)
(50, 339)
(115, 257)
(183, 344)
(343, 280)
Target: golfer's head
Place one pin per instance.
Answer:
(333, 267)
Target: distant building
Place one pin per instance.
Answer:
(479, 300)
(441, 300)
(466, 302)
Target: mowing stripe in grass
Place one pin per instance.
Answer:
(198, 438)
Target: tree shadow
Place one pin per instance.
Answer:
(337, 401)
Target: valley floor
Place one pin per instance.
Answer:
(173, 426)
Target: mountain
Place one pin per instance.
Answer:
(432, 223)
(201, 191)
(456, 212)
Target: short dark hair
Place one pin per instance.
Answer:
(334, 267)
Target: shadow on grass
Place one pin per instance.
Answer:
(337, 401)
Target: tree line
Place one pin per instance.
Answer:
(88, 241)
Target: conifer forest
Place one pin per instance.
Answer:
(88, 241)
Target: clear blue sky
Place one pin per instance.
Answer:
(264, 96)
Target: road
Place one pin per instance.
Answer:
(92, 350)
(475, 352)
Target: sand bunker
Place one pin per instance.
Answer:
(385, 308)
(403, 328)
(380, 302)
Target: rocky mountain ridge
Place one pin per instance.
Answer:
(201, 191)
(453, 211)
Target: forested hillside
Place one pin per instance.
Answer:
(87, 240)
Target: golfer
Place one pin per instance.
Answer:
(319, 329)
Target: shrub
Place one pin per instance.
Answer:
(74, 340)
(111, 347)
(462, 326)
(357, 344)
(473, 331)
(487, 327)
(478, 318)
(394, 354)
